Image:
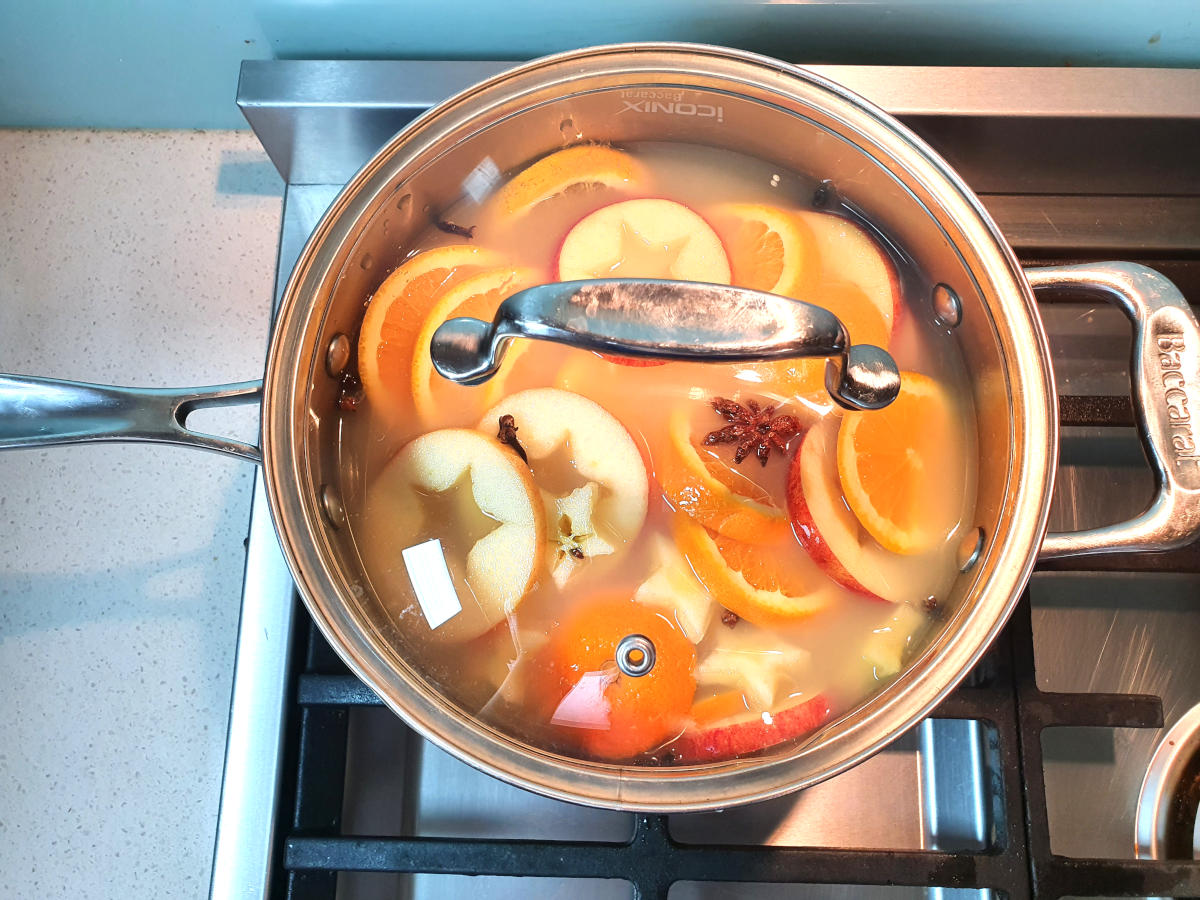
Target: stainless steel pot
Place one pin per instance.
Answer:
(723, 98)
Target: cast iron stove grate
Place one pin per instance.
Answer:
(1002, 693)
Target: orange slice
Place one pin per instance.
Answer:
(583, 164)
(395, 313)
(769, 248)
(767, 584)
(894, 463)
(718, 708)
(711, 492)
(613, 715)
(476, 296)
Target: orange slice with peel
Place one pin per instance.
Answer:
(395, 314)
(583, 164)
(476, 296)
(702, 485)
(893, 464)
(613, 715)
(769, 248)
(767, 584)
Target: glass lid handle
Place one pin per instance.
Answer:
(650, 318)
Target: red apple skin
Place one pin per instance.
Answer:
(634, 363)
(804, 527)
(729, 741)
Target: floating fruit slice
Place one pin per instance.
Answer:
(395, 313)
(673, 589)
(502, 558)
(889, 643)
(754, 670)
(767, 584)
(585, 164)
(704, 486)
(845, 252)
(597, 447)
(648, 238)
(862, 317)
(613, 715)
(756, 732)
(476, 296)
(572, 531)
(836, 541)
(896, 466)
(769, 248)
(717, 708)
(823, 524)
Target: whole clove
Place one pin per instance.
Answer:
(508, 435)
(463, 231)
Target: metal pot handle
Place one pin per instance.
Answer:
(46, 411)
(1165, 372)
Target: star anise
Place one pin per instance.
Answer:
(753, 428)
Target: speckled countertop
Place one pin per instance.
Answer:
(147, 259)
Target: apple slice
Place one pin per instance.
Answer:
(598, 448)
(752, 733)
(887, 645)
(833, 537)
(847, 253)
(647, 238)
(486, 504)
(754, 670)
(572, 528)
(673, 588)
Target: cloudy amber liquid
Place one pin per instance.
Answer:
(832, 641)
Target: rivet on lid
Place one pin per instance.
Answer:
(331, 505)
(970, 549)
(947, 307)
(337, 355)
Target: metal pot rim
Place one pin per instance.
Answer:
(1002, 574)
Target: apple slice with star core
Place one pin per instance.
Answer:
(476, 500)
(647, 238)
(597, 447)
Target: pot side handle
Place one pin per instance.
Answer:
(46, 411)
(1165, 375)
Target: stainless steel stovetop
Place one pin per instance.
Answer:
(1074, 164)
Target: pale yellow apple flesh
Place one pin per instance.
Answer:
(647, 238)
(599, 447)
(674, 588)
(501, 566)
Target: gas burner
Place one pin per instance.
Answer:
(1167, 824)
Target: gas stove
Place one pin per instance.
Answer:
(1026, 782)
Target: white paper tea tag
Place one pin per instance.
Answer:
(482, 180)
(430, 577)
